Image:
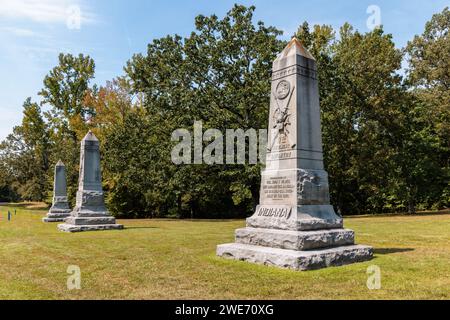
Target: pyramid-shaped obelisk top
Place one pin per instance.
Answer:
(90, 136)
(293, 48)
(60, 164)
(295, 54)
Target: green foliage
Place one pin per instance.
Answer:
(24, 156)
(386, 138)
(429, 76)
(220, 75)
(379, 152)
(65, 90)
(66, 85)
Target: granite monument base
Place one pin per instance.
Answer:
(295, 249)
(295, 240)
(293, 259)
(79, 228)
(89, 222)
(295, 218)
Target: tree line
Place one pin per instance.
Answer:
(386, 129)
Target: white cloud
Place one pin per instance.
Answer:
(43, 11)
(19, 32)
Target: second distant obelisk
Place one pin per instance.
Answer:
(60, 208)
(90, 213)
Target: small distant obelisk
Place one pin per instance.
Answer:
(295, 226)
(90, 213)
(60, 208)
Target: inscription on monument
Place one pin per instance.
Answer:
(276, 212)
(302, 71)
(282, 149)
(280, 156)
(278, 188)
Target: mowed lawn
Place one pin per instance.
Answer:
(172, 259)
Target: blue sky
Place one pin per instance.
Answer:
(33, 32)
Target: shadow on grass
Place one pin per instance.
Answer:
(391, 250)
(130, 228)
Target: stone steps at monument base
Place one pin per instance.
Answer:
(295, 240)
(296, 260)
(55, 215)
(59, 211)
(47, 219)
(58, 216)
(78, 228)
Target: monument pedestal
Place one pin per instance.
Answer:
(281, 236)
(295, 226)
(89, 220)
(295, 240)
(90, 213)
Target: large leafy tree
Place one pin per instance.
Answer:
(220, 75)
(429, 67)
(24, 155)
(365, 117)
(65, 90)
(429, 75)
(364, 108)
(121, 124)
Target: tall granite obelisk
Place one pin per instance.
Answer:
(60, 207)
(90, 213)
(295, 226)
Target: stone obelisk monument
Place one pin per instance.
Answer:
(90, 212)
(60, 208)
(295, 226)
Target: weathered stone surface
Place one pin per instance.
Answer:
(295, 226)
(79, 228)
(295, 139)
(90, 200)
(60, 208)
(90, 203)
(90, 221)
(295, 187)
(295, 240)
(294, 175)
(303, 217)
(296, 260)
(312, 187)
(55, 217)
(47, 219)
(90, 212)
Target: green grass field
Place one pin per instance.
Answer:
(173, 259)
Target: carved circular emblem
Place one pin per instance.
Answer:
(283, 89)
